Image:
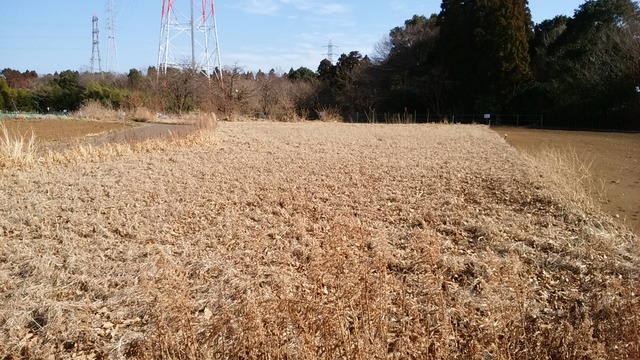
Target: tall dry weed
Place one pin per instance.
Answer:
(568, 175)
(329, 114)
(207, 122)
(16, 150)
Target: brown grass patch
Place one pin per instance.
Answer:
(329, 114)
(95, 111)
(16, 148)
(309, 241)
(142, 114)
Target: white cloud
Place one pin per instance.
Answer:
(264, 7)
(299, 4)
(273, 7)
(328, 9)
(316, 6)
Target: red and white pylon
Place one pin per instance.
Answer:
(189, 37)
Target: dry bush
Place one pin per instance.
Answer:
(313, 241)
(329, 114)
(16, 150)
(94, 110)
(142, 114)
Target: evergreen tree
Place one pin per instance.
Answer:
(485, 49)
(408, 71)
(597, 53)
(589, 70)
(302, 73)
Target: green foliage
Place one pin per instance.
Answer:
(62, 92)
(590, 60)
(410, 67)
(341, 84)
(108, 96)
(302, 73)
(4, 94)
(14, 99)
(326, 70)
(22, 100)
(135, 79)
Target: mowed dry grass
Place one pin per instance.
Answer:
(313, 240)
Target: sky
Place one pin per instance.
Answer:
(49, 36)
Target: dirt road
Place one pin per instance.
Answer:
(142, 132)
(58, 134)
(614, 159)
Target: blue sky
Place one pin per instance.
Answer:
(48, 36)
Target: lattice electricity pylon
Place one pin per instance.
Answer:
(330, 52)
(95, 50)
(189, 28)
(112, 49)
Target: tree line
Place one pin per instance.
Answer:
(479, 56)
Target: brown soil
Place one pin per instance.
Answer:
(614, 159)
(143, 132)
(59, 134)
(60, 130)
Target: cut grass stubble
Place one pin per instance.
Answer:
(314, 241)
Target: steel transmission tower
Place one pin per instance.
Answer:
(112, 50)
(95, 51)
(189, 37)
(330, 52)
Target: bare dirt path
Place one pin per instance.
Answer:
(60, 130)
(614, 159)
(53, 133)
(58, 134)
(142, 132)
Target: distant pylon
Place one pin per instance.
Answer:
(95, 51)
(112, 49)
(330, 52)
(189, 25)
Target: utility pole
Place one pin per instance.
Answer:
(194, 28)
(95, 51)
(112, 50)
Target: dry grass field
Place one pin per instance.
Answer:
(313, 240)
